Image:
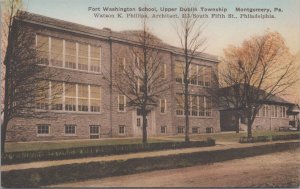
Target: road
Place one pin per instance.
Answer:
(280, 169)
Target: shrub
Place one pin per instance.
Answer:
(285, 137)
(69, 153)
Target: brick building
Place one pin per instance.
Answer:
(87, 107)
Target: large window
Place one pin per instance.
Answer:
(198, 75)
(70, 54)
(94, 131)
(70, 129)
(83, 98)
(43, 129)
(199, 105)
(180, 130)
(121, 103)
(95, 98)
(42, 49)
(56, 52)
(70, 97)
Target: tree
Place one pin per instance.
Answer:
(189, 32)
(25, 80)
(144, 79)
(255, 72)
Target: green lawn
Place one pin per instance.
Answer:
(219, 137)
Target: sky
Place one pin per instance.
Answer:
(220, 33)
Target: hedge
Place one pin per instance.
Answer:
(37, 177)
(267, 138)
(92, 151)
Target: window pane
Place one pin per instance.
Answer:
(179, 72)
(207, 76)
(56, 95)
(43, 49)
(83, 57)
(95, 58)
(42, 95)
(193, 74)
(179, 104)
(201, 106)
(70, 54)
(200, 75)
(56, 52)
(70, 94)
(194, 105)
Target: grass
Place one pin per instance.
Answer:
(47, 145)
(234, 137)
(219, 137)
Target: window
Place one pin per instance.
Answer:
(195, 130)
(180, 130)
(83, 98)
(70, 129)
(42, 95)
(95, 98)
(121, 65)
(121, 129)
(121, 103)
(56, 95)
(201, 106)
(43, 129)
(276, 111)
(200, 75)
(70, 54)
(284, 112)
(194, 105)
(179, 72)
(179, 104)
(193, 74)
(163, 129)
(82, 56)
(56, 52)
(95, 58)
(163, 69)
(162, 105)
(207, 106)
(70, 97)
(94, 131)
(42, 49)
(138, 122)
(207, 76)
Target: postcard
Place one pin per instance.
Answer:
(153, 93)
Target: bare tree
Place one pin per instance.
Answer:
(190, 34)
(255, 72)
(26, 82)
(143, 79)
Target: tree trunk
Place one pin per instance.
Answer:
(237, 123)
(186, 111)
(144, 128)
(249, 128)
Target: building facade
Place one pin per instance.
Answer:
(84, 103)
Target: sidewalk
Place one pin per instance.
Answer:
(219, 146)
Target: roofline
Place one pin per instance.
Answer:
(103, 34)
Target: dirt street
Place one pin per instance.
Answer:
(273, 170)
